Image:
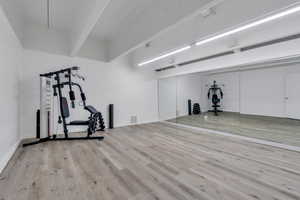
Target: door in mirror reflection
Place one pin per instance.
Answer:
(189, 92)
(167, 98)
(293, 96)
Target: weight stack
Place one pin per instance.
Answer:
(101, 122)
(190, 106)
(111, 116)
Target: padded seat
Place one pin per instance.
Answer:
(79, 123)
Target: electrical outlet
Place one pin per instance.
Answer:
(133, 119)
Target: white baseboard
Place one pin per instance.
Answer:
(4, 161)
(139, 123)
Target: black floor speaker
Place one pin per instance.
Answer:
(190, 106)
(38, 123)
(111, 116)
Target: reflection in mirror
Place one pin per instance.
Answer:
(261, 103)
(217, 97)
(188, 90)
(270, 104)
(167, 98)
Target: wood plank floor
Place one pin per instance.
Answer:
(153, 161)
(280, 130)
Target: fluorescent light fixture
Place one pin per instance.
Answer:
(165, 55)
(251, 25)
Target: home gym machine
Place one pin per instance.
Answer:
(52, 83)
(215, 89)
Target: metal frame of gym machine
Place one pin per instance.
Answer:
(58, 86)
(215, 102)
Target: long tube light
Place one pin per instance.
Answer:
(251, 25)
(231, 32)
(165, 55)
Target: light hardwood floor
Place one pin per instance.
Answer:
(280, 130)
(153, 161)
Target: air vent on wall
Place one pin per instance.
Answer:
(165, 68)
(271, 42)
(243, 49)
(206, 58)
(196, 60)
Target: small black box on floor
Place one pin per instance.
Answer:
(196, 109)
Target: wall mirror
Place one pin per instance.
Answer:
(261, 103)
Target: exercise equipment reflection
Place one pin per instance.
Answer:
(215, 89)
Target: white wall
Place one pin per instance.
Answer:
(10, 61)
(134, 92)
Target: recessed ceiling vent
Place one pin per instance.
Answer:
(243, 49)
(206, 58)
(195, 61)
(271, 42)
(165, 68)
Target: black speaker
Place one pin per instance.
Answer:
(111, 116)
(190, 106)
(38, 124)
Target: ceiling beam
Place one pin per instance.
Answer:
(88, 26)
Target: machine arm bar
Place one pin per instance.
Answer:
(75, 68)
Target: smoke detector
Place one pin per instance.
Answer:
(207, 12)
(171, 61)
(148, 44)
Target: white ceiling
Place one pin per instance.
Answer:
(267, 32)
(107, 29)
(118, 14)
(229, 14)
(64, 14)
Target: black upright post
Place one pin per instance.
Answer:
(111, 116)
(38, 123)
(61, 105)
(190, 106)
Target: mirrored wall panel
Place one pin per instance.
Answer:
(261, 103)
(214, 96)
(167, 96)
